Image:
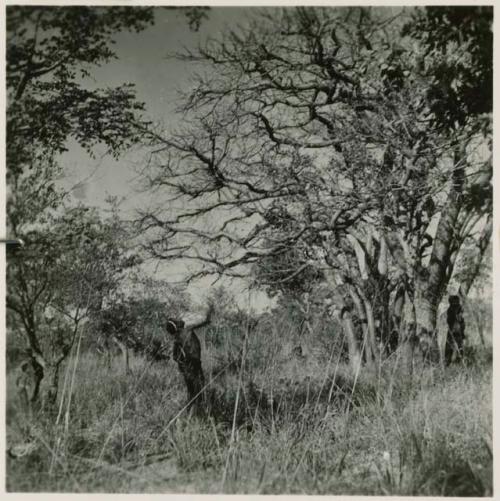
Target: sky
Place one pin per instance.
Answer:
(142, 59)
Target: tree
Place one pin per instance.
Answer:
(319, 142)
(457, 61)
(50, 51)
(135, 319)
(71, 262)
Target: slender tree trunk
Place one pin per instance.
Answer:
(125, 355)
(482, 244)
(371, 340)
(38, 373)
(480, 326)
(426, 307)
(396, 334)
(49, 386)
(369, 355)
(352, 345)
(409, 338)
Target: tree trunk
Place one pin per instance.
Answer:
(371, 340)
(49, 387)
(431, 283)
(482, 244)
(426, 307)
(125, 355)
(352, 345)
(368, 353)
(396, 334)
(409, 339)
(38, 365)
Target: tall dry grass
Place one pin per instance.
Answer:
(275, 423)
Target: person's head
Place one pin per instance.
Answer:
(174, 325)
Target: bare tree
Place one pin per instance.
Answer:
(313, 131)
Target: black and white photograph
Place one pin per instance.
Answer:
(249, 249)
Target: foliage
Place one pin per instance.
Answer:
(71, 260)
(458, 56)
(194, 15)
(70, 263)
(137, 322)
(291, 271)
(50, 53)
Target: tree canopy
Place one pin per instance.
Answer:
(50, 51)
(321, 140)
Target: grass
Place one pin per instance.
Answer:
(276, 424)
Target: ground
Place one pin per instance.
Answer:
(282, 424)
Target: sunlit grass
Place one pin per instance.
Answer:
(301, 425)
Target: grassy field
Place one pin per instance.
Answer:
(277, 424)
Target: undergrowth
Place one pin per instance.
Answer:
(270, 424)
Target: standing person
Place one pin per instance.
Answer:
(456, 331)
(187, 354)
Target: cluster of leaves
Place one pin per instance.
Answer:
(458, 57)
(134, 322)
(135, 314)
(50, 52)
(194, 15)
(291, 269)
(71, 261)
